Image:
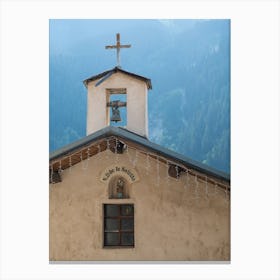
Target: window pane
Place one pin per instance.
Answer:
(127, 239)
(127, 224)
(111, 210)
(112, 224)
(111, 239)
(127, 210)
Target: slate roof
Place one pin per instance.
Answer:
(142, 142)
(118, 70)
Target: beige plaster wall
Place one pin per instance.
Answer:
(173, 220)
(137, 110)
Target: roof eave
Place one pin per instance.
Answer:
(137, 139)
(115, 70)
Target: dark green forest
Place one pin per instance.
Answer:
(188, 62)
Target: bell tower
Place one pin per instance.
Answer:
(118, 98)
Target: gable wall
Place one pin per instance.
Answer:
(171, 222)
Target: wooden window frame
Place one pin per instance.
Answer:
(120, 231)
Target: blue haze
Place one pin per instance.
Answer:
(188, 62)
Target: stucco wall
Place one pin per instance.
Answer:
(171, 221)
(137, 111)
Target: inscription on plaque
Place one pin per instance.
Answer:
(128, 173)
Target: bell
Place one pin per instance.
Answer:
(115, 115)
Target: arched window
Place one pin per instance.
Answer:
(118, 188)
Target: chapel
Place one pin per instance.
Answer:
(116, 196)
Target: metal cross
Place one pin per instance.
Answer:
(118, 46)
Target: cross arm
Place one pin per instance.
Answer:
(110, 47)
(125, 46)
(116, 47)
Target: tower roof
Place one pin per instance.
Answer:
(104, 75)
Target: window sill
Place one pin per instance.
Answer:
(118, 247)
